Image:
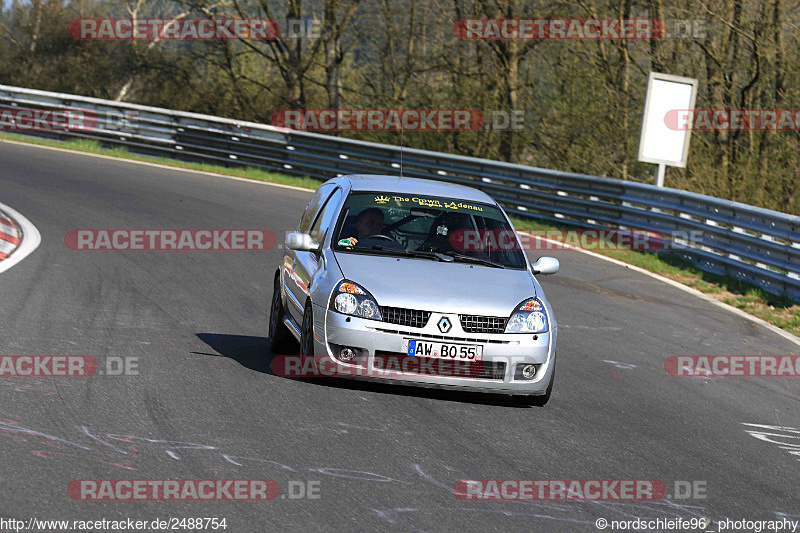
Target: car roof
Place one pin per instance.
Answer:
(395, 184)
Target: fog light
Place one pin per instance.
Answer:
(345, 354)
(528, 371)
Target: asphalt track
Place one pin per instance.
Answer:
(205, 405)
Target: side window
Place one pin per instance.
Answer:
(313, 207)
(324, 220)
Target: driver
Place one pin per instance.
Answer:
(369, 222)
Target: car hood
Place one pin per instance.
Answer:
(438, 286)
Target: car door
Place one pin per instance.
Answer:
(289, 277)
(306, 264)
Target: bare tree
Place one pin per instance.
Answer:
(336, 24)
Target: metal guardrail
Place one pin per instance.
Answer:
(756, 245)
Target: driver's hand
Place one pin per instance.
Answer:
(348, 242)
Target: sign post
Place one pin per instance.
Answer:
(665, 133)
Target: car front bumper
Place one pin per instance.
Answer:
(503, 354)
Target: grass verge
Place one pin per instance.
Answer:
(777, 310)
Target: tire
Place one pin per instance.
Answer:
(281, 339)
(307, 332)
(537, 401)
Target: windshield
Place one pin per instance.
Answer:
(380, 223)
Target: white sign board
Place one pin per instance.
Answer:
(665, 140)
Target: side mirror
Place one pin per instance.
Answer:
(301, 242)
(545, 265)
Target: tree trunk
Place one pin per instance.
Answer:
(37, 24)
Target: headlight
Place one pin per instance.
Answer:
(529, 317)
(351, 299)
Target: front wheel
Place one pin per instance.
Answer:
(280, 338)
(307, 332)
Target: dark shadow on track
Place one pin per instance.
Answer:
(250, 352)
(253, 353)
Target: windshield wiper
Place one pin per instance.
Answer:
(408, 253)
(470, 259)
(435, 254)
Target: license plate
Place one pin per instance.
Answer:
(444, 350)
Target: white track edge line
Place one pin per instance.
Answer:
(158, 165)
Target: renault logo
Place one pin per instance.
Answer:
(444, 324)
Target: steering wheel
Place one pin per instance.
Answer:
(373, 240)
(380, 236)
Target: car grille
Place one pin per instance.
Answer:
(445, 338)
(482, 324)
(405, 317)
(483, 370)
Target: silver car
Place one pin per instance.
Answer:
(416, 282)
